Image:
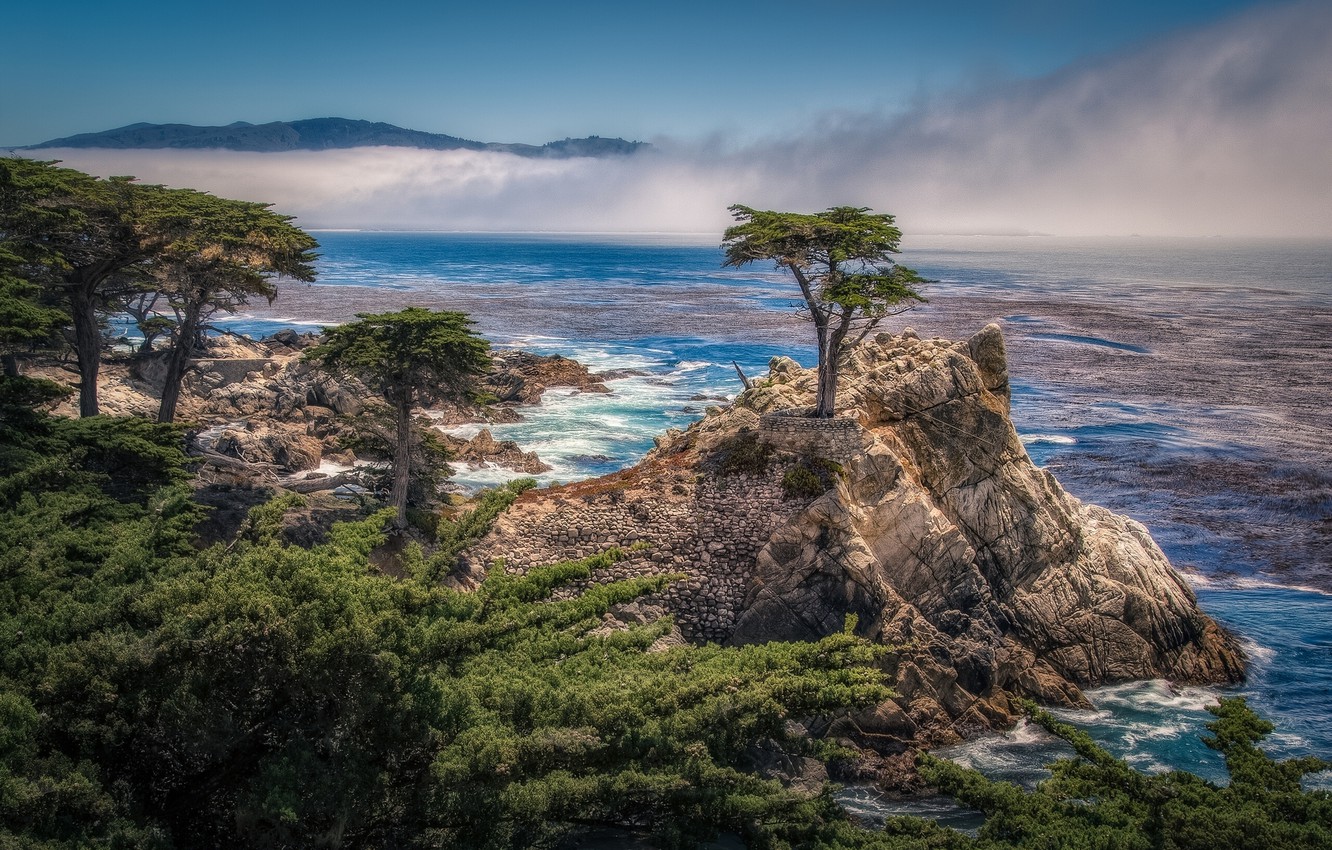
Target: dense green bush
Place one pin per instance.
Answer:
(1096, 800)
(452, 537)
(801, 482)
(261, 694)
(264, 694)
(743, 452)
(809, 477)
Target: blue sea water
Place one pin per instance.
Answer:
(1183, 382)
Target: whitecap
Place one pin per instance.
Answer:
(691, 365)
(1147, 764)
(463, 432)
(327, 468)
(1050, 439)
(282, 321)
(1258, 652)
(1153, 694)
(1195, 578)
(1268, 584)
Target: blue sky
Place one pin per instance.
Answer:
(1065, 117)
(536, 71)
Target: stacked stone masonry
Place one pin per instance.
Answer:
(708, 529)
(794, 431)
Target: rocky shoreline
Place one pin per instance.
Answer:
(934, 533)
(258, 411)
(916, 515)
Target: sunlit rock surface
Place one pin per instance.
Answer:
(938, 533)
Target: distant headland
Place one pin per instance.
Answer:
(322, 134)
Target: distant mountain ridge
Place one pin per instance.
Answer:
(315, 134)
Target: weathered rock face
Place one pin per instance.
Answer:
(938, 533)
(288, 448)
(522, 377)
(485, 449)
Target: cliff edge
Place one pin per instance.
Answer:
(918, 511)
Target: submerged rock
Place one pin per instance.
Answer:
(925, 519)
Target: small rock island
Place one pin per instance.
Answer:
(917, 511)
(914, 513)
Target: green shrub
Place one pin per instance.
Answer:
(425, 521)
(743, 453)
(453, 537)
(268, 694)
(801, 482)
(810, 477)
(264, 694)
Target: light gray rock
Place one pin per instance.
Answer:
(938, 534)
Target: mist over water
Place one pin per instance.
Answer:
(1221, 130)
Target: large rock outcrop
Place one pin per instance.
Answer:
(919, 512)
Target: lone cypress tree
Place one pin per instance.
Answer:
(842, 258)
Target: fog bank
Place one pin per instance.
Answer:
(1220, 131)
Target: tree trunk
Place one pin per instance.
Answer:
(830, 349)
(826, 392)
(741, 372)
(825, 401)
(402, 458)
(177, 363)
(87, 346)
(827, 383)
(10, 360)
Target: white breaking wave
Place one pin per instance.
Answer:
(1155, 694)
(1259, 583)
(1258, 652)
(1050, 439)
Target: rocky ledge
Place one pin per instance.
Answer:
(258, 404)
(924, 518)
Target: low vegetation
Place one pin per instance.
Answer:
(262, 694)
(743, 453)
(809, 477)
(158, 694)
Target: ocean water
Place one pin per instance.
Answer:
(1182, 382)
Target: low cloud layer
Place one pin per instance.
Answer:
(1220, 131)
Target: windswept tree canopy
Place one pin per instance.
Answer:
(96, 242)
(842, 259)
(396, 353)
(25, 320)
(214, 254)
(400, 354)
(76, 235)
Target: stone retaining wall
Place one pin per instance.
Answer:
(795, 431)
(710, 529)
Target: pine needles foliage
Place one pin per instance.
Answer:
(265, 694)
(262, 694)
